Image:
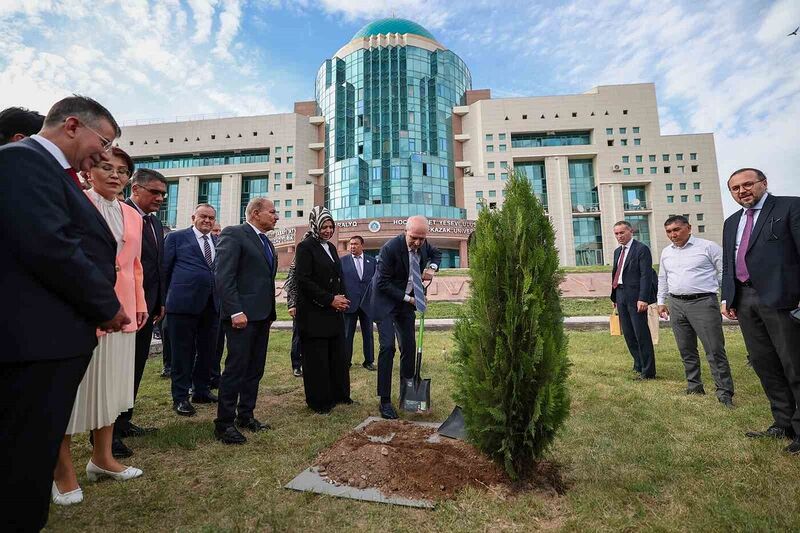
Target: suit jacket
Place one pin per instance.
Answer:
(245, 278)
(318, 279)
(189, 279)
(391, 274)
(152, 260)
(57, 269)
(355, 288)
(772, 257)
(130, 276)
(638, 274)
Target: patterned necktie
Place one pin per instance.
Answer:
(267, 250)
(416, 283)
(741, 265)
(74, 175)
(207, 252)
(359, 267)
(615, 282)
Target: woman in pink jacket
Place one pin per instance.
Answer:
(107, 386)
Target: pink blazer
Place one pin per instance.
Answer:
(130, 276)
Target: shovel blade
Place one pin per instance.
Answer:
(454, 427)
(415, 395)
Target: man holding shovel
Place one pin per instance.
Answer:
(404, 262)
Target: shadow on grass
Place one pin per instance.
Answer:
(184, 434)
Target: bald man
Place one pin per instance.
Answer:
(396, 294)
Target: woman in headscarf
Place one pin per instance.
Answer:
(320, 303)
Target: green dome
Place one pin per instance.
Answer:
(393, 25)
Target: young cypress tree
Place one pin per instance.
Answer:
(510, 356)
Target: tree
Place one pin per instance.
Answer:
(510, 357)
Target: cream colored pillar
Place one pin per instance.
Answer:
(187, 200)
(559, 207)
(230, 199)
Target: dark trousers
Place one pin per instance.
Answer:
(166, 347)
(773, 342)
(36, 401)
(143, 338)
(400, 322)
(701, 318)
(295, 354)
(637, 333)
(350, 320)
(216, 359)
(326, 376)
(193, 338)
(244, 368)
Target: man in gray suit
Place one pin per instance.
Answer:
(760, 287)
(246, 265)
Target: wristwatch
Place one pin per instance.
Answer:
(434, 267)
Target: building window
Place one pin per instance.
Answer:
(668, 186)
(633, 198)
(670, 199)
(277, 150)
(535, 173)
(277, 176)
(623, 131)
(489, 137)
(698, 197)
(684, 198)
(502, 147)
(490, 164)
(209, 193)
(679, 157)
(653, 170)
(492, 205)
(681, 169)
(277, 203)
(300, 213)
(682, 186)
(588, 237)
(610, 142)
(290, 149)
(208, 159)
(287, 214)
(626, 171)
(694, 168)
(501, 137)
(492, 193)
(666, 170)
(168, 212)
(277, 160)
(288, 186)
(623, 142)
(700, 217)
(504, 175)
(696, 185)
(693, 156)
(288, 202)
(276, 187)
(503, 164)
(625, 158)
(609, 131)
(583, 190)
(289, 175)
(636, 129)
(289, 159)
(251, 188)
(492, 176)
(665, 157)
(637, 142)
(641, 227)
(535, 140)
(638, 159)
(478, 194)
(640, 170)
(652, 157)
(490, 148)
(701, 229)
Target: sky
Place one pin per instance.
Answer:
(722, 66)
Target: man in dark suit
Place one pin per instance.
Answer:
(216, 359)
(633, 287)
(396, 292)
(246, 267)
(192, 308)
(16, 123)
(58, 270)
(357, 271)
(148, 191)
(760, 286)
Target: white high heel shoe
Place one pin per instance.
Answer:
(94, 472)
(68, 498)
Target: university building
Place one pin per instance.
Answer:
(396, 129)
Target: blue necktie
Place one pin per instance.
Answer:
(267, 250)
(416, 282)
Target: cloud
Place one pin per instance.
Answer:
(203, 14)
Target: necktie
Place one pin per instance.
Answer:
(74, 175)
(741, 265)
(416, 283)
(359, 266)
(207, 252)
(615, 281)
(149, 232)
(267, 251)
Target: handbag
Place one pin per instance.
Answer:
(613, 324)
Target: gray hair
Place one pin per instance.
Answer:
(258, 203)
(416, 218)
(198, 206)
(624, 223)
(84, 108)
(143, 176)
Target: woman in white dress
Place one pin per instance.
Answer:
(107, 386)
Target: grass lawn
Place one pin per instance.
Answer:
(636, 455)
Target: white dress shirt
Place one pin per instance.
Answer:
(694, 268)
(54, 150)
(201, 242)
(625, 248)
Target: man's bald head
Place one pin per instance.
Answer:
(416, 231)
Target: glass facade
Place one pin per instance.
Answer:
(641, 227)
(634, 198)
(209, 193)
(252, 188)
(588, 241)
(534, 171)
(533, 140)
(388, 131)
(582, 187)
(168, 213)
(205, 160)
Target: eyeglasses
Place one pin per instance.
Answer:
(106, 143)
(155, 192)
(121, 172)
(746, 186)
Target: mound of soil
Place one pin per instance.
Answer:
(405, 459)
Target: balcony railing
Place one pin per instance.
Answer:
(586, 208)
(640, 205)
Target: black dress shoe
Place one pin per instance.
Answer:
(772, 432)
(794, 447)
(252, 424)
(119, 450)
(184, 408)
(166, 372)
(370, 366)
(135, 431)
(695, 390)
(727, 401)
(388, 412)
(208, 397)
(229, 435)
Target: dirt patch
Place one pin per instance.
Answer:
(404, 459)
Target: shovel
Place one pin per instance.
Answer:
(415, 392)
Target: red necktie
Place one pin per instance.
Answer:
(615, 282)
(74, 175)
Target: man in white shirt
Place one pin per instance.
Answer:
(688, 280)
